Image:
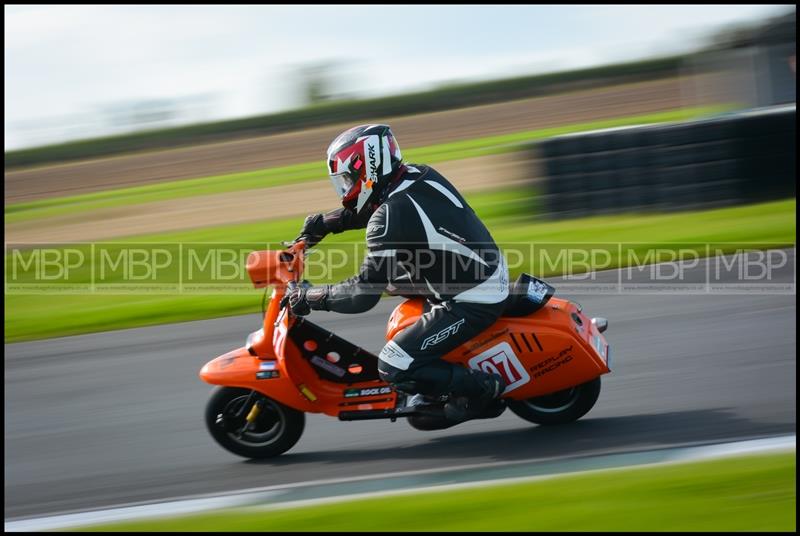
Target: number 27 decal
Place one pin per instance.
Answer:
(500, 359)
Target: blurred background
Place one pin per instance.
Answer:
(76, 72)
(103, 99)
(198, 123)
(653, 126)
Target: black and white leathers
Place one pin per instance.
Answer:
(424, 240)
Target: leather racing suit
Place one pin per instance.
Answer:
(424, 240)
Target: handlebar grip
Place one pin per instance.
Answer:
(298, 247)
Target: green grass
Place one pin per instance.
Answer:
(162, 191)
(748, 493)
(52, 314)
(316, 170)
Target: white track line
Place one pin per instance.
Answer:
(252, 498)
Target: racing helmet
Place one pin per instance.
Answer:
(361, 163)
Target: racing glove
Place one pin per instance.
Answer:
(314, 230)
(318, 226)
(303, 299)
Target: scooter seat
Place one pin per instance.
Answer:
(526, 296)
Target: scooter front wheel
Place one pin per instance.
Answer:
(274, 427)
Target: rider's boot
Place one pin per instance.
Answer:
(429, 413)
(428, 409)
(474, 394)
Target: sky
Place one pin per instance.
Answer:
(67, 68)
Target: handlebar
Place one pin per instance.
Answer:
(292, 249)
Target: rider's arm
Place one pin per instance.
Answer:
(342, 219)
(361, 292)
(318, 226)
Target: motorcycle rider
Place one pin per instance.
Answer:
(423, 239)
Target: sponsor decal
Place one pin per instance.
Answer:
(371, 153)
(476, 345)
(553, 362)
(599, 347)
(367, 391)
(330, 367)
(452, 234)
(442, 335)
(267, 365)
(307, 393)
(501, 359)
(536, 291)
(226, 360)
(267, 374)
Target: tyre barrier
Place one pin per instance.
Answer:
(733, 159)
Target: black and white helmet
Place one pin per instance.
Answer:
(362, 161)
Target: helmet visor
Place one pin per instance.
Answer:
(342, 183)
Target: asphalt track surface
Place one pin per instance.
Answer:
(113, 418)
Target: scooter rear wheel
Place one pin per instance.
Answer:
(276, 429)
(560, 407)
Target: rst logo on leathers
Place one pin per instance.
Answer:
(501, 359)
(442, 335)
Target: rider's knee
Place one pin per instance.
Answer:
(389, 373)
(401, 380)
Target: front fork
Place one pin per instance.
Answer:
(230, 422)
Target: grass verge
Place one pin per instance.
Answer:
(748, 493)
(298, 173)
(56, 313)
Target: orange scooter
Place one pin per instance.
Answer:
(550, 354)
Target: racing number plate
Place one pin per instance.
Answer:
(500, 359)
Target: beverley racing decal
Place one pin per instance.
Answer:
(553, 362)
(476, 345)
